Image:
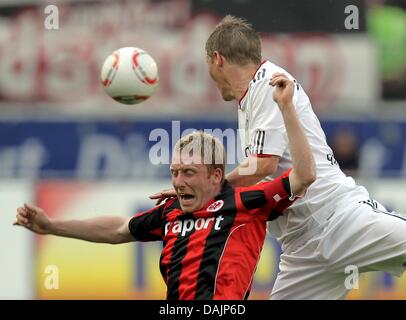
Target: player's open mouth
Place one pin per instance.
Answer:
(186, 199)
(185, 196)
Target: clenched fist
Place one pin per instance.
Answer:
(284, 89)
(34, 219)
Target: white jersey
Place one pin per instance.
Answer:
(262, 133)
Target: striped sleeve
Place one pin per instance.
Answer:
(147, 226)
(269, 199)
(258, 143)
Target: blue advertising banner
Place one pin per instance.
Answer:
(137, 149)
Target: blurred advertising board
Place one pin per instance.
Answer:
(140, 148)
(60, 68)
(97, 271)
(94, 149)
(131, 271)
(17, 248)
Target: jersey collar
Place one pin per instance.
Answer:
(246, 90)
(226, 188)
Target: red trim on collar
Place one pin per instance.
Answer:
(246, 90)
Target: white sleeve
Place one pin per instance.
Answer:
(268, 134)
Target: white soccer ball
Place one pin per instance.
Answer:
(129, 75)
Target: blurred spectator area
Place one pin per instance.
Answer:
(345, 145)
(341, 70)
(288, 16)
(387, 27)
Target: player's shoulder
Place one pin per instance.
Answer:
(260, 81)
(169, 205)
(259, 87)
(252, 197)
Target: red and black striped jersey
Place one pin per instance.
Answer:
(213, 253)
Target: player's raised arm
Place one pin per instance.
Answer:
(304, 168)
(252, 170)
(112, 229)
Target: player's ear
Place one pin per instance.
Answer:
(218, 59)
(217, 175)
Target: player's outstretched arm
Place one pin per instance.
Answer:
(112, 229)
(304, 168)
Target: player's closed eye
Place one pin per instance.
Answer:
(189, 172)
(185, 172)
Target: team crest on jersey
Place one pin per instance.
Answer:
(216, 206)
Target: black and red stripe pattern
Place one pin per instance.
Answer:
(213, 253)
(215, 246)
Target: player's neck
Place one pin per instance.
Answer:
(216, 192)
(240, 77)
(208, 197)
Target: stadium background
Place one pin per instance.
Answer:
(70, 149)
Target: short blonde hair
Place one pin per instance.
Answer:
(236, 40)
(210, 148)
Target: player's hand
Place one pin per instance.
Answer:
(33, 218)
(163, 195)
(284, 89)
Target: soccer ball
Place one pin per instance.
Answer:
(129, 75)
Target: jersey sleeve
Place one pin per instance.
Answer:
(147, 225)
(269, 136)
(268, 199)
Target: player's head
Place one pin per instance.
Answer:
(233, 41)
(198, 169)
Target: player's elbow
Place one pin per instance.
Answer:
(301, 185)
(119, 240)
(309, 181)
(308, 177)
(115, 240)
(303, 179)
(312, 176)
(121, 235)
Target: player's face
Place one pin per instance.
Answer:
(217, 74)
(192, 182)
